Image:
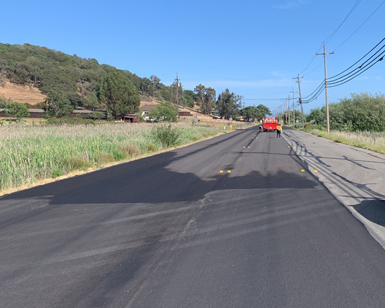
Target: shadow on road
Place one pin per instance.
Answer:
(373, 210)
(150, 181)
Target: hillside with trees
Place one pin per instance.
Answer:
(70, 82)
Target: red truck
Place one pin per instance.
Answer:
(270, 124)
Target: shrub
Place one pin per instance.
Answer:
(4, 101)
(151, 148)
(129, 150)
(16, 110)
(166, 135)
(104, 158)
(77, 163)
(56, 173)
(165, 112)
(118, 155)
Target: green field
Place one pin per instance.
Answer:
(31, 153)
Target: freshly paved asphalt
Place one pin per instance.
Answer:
(173, 231)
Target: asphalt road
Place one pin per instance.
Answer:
(172, 230)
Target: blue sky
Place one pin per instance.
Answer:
(253, 48)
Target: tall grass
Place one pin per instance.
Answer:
(374, 141)
(31, 153)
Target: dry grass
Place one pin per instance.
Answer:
(373, 141)
(22, 94)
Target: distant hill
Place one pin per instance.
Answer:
(28, 69)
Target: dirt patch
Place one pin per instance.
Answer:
(21, 94)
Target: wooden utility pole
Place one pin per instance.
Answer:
(177, 97)
(286, 111)
(281, 112)
(288, 100)
(326, 86)
(293, 109)
(300, 98)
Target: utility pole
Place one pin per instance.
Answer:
(286, 111)
(300, 98)
(326, 86)
(288, 100)
(293, 109)
(281, 112)
(177, 97)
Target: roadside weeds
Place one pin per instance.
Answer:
(365, 140)
(107, 164)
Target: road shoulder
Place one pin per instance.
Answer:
(354, 176)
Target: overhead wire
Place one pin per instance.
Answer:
(335, 31)
(313, 70)
(262, 99)
(361, 25)
(360, 58)
(333, 81)
(331, 36)
(311, 61)
(371, 64)
(363, 67)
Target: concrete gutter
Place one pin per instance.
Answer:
(356, 177)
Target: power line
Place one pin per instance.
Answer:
(335, 31)
(360, 58)
(330, 37)
(363, 67)
(361, 25)
(314, 69)
(263, 99)
(359, 73)
(311, 61)
(333, 81)
(359, 70)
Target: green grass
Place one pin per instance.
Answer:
(367, 140)
(30, 153)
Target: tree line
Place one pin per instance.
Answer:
(360, 112)
(71, 82)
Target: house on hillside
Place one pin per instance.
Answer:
(145, 109)
(184, 113)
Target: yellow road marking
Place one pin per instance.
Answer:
(315, 170)
(302, 170)
(221, 171)
(228, 171)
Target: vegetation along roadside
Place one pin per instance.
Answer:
(374, 141)
(30, 154)
(357, 121)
